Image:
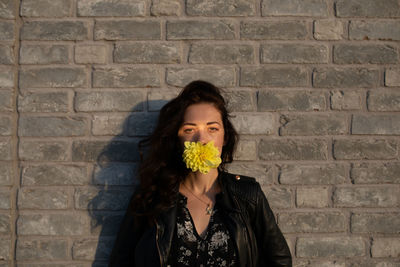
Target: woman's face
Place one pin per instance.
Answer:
(202, 122)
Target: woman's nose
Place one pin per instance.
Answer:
(203, 137)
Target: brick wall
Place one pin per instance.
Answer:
(314, 86)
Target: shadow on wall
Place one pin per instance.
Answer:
(115, 178)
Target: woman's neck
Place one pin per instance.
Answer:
(200, 183)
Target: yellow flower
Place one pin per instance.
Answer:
(199, 157)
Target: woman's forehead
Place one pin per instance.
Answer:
(202, 112)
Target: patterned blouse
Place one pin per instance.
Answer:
(216, 248)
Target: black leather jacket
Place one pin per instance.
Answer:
(246, 213)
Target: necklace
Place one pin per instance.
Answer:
(209, 209)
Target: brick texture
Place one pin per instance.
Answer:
(312, 87)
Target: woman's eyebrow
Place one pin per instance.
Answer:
(212, 122)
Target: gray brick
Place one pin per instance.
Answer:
(6, 77)
(294, 53)
(44, 54)
(312, 222)
(313, 124)
(122, 76)
(368, 8)
(273, 76)
(88, 151)
(6, 174)
(220, 8)
(110, 222)
(312, 197)
(200, 30)
(39, 150)
(375, 124)
(156, 99)
(345, 100)
(221, 54)
(54, 30)
(366, 196)
(116, 174)
(260, 123)
(90, 54)
(52, 224)
(109, 101)
(383, 100)
(314, 8)
(331, 77)
(127, 30)
(52, 126)
(5, 125)
(6, 31)
(273, 30)
(46, 8)
(41, 249)
(42, 198)
(157, 53)
(220, 76)
(166, 8)
(265, 174)
(6, 55)
(5, 249)
(5, 149)
(374, 173)
(338, 247)
(240, 100)
(55, 175)
(313, 174)
(70, 264)
(364, 149)
(382, 223)
(43, 102)
(278, 197)
(108, 124)
(7, 9)
(329, 30)
(364, 54)
(281, 149)
(291, 100)
(5, 224)
(375, 30)
(141, 124)
(318, 263)
(5, 198)
(246, 150)
(52, 77)
(102, 8)
(374, 263)
(385, 247)
(5, 100)
(91, 249)
(392, 77)
(97, 199)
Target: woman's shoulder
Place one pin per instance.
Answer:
(244, 187)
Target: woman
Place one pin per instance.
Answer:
(187, 210)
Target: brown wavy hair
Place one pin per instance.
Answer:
(162, 169)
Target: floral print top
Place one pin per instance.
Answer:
(216, 248)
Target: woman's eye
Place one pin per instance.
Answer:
(188, 130)
(213, 129)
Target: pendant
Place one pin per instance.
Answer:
(209, 209)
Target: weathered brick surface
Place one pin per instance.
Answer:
(367, 8)
(89, 249)
(221, 54)
(5, 224)
(291, 100)
(313, 174)
(5, 100)
(330, 246)
(246, 150)
(6, 55)
(313, 124)
(360, 54)
(220, 8)
(5, 199)
(278, 197)
(101, 199)
(166, 8)
(294, 53)
(5, 148)
(364, 149)
(87, 54)
(346, 100)
(127, 29)
(375, 30)
(41, 249)
(43, 54)
(7, 9)
(54, 175)
(265, 174)
(50, 77)
(237, 100)
(291, 149)
(41, 198)
(273, 76)
(6, 31)
(376, 173)
(312, 197)
(104, 8)
(5, 249)
(366, 196)
(385, 223)
(35, 150)
(383, 100)
(148, 53)
(329, 30)
(311, 222)
(385, 247)
(6, 77)
(46, 8)
(43, 102)
(220, 76)
(262, 123)
(5, 125)
(376, 124)
(5, 174)
(116, 174)
(54, 30)
(141, 124)
(392, 77)
(202, 30)
(345, 77)
(315, 8)
(52, 126)
(273, 30)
